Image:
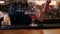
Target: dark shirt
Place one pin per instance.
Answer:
(18, 7)
(17, 14)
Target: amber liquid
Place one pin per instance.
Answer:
(58, 3)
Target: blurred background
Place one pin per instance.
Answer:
(50, 15)
(37, 16)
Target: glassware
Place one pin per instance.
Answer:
(58, 2)
(33, 19)
(6, 20)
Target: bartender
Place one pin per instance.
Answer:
(17, 15)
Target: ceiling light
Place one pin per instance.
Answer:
(2, 2)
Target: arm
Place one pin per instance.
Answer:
(46, 5)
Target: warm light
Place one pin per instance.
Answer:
(41, 2)
(53, 3)
(2, 2)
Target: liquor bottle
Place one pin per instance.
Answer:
(58, 2)
(6, 21)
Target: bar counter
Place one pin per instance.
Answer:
(40, 26)
(30, 31)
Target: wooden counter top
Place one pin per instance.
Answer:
(31, 31)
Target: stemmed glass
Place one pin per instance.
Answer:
(33, 21)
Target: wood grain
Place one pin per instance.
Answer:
(31, 31)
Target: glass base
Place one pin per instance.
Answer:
(33, 24)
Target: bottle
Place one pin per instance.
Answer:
(6, 20)
(58, 2)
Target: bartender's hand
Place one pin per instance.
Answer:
(4, 23)
(28, 12)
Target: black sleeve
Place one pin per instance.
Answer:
(1, 19)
